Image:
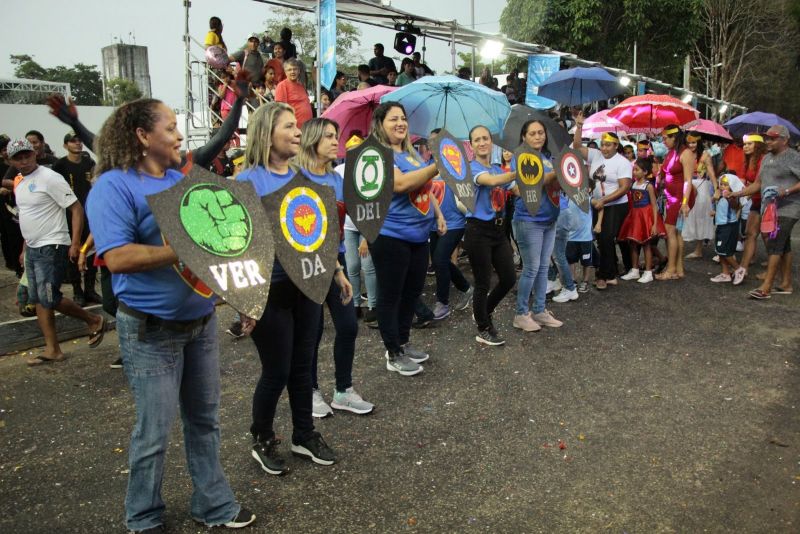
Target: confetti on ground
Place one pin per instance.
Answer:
(562, 444)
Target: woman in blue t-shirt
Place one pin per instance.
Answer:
(319, 144)
(535, 236)
(167, 328)
(286, 334)
(485, 238)
(400, 252)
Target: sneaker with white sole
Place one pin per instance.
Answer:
(553, 286)
(264, 452)
(464, 299)
(490, 337)
(526, 323)
(566, 295)
(244, 518)
(633, 274)
(402, 364)
(440, 311)
(646, 277)
(319, 408)
(314, 449)
(738, 275)
(351, 401)
(583, 287)
(416, 355)
(721, 278)
(546, 318)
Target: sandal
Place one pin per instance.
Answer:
(41, 360)
(96, 337)
(666, 276)
(781, 291)
(758, 294)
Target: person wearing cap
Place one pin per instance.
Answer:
(380, 65)
(76, 168)
(42, 195)
(779, 177)
(250, 59)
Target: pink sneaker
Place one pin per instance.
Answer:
(526, 323)
(721, 278)
(546, 319)
(738, 275)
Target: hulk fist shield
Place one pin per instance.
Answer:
(215, 220)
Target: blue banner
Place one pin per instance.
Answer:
(641, 88)
(540, 68)
(327, 42)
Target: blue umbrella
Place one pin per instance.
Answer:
(449, 102)
(579, 85)
(758, 122)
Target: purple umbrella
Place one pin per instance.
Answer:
(758, 122)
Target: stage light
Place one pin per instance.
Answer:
(625, 81)
(687, 98)
(405, 43)
(723, 108)
(491, 49)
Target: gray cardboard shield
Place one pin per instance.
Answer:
(368, 185)
(305, 226)
(530, 176)
(573, 176)
(453, 164)
(220, 232)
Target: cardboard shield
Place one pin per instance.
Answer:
(573, 176)
(305, 229)
(454, 168)
(530, 176)
(368, 185)
(220, 232)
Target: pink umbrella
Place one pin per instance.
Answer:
(654, 112)
(353, 111)
(711, 130)
(600, 123)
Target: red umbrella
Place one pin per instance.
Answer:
(654, 112)
(711, 130)
(353, 111)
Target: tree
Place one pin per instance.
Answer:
(85, 82)
(119, 91)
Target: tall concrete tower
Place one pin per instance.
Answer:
(128, 62)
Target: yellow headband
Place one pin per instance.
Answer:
(239, 160)
(643, 144)
(692, 137)
(671, 131)
(753, 138)
(608, 138)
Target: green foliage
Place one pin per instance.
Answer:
(85, 81)
(119, 91)
(605, 31)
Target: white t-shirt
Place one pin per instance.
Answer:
(348, 222)
(615, 167)
(42, 196)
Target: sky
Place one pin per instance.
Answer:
(66, 33)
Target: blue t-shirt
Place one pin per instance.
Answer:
(121, 216)
(548, 212)
(581, 223)
(490, 202)
(724, 213)
(452, 215)
(405, 220)
(332, 179)
(266, 182)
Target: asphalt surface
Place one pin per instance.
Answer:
(669, 407)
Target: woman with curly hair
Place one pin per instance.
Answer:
(167, 330)
(754, 150)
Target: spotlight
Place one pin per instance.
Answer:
(405, 43)
(687, 98)
(491, 49)
(625, 81)
(723, 108)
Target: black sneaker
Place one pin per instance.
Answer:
(242, 519)
(315, 449)
(371, 318)
(267, 457)
(422, 322)
(488, 337)
(117, 363)
(93, 298)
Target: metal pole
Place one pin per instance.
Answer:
(187, 4)
(318, 62)
(634, 56)
(453, 45)
(687, 65)
(472, 22)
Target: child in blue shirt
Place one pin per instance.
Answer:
(726, 217)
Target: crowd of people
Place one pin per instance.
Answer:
(670, 187)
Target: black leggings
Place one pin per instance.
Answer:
(400, 268)
(613, 216)
(488, 247)
(285, 337)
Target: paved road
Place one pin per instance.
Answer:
(676, 403)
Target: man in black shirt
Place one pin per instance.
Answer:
(77, 169)
(380, 65)
(10, 236)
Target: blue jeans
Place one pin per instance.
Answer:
(535, 241)
(355, 264)
(45, 267)
(167, 370)
(564, 225)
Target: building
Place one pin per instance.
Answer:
(128, 62)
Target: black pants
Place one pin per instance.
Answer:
(344, 344)
(285, 337)
(613, 216)
(488, 247)
(400, 268)
(10, 238)
(442, 248)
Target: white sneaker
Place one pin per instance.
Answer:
(351, 401)
(566, 295)
(553, 286)
(646, 277)
(633, 274)
(319, 408)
